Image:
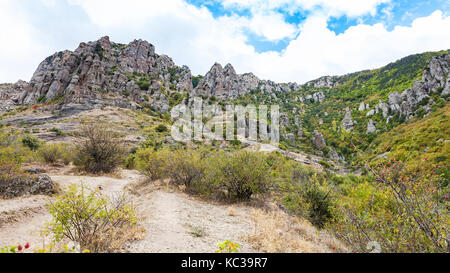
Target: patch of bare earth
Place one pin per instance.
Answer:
(177, 223)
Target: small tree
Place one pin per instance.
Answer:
(100, 150)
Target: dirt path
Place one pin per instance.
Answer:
(176, 223)
(22, 219)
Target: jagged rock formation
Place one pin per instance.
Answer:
(363, 107)
(435, 80)
(284, 120)
(347, 122)
(102, 73)
(371, 127)
(324, 82)
(319, 140)
(10, 95)
(225, 83)
(334, 155)
(315, 97)
(105, 73)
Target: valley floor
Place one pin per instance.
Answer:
(174, 222)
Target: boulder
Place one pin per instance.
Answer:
(23, 185)
(319, 140)
(371, 127)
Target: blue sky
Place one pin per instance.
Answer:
(281, 40)
(391, 14)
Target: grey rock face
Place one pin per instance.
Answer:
(435, 79)
(327, 81)
(371, 127)
(347, 122)
(18, 186)
(371, 113)
(10, 95)
(319, 140)
(362, 107)
(225, 83)
(319, 97)
(300, 132)
(335, 156)
(105, 73)
(284, 120)
(297, 120)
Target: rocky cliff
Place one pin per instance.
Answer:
(435, 80)
(225, 83)
(103, 73)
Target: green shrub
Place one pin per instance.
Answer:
(54, 153)
(130, 162)
(57, 131)
(12, 155)
(241, 174)
(90, 219)
(405, 211)
(31, 142)
(186, 167)
(161, 128)
(153, 164)
(99, 151)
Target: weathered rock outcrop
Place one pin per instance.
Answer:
(106, 73)
(371, 127)
(22, 185)
(10, 95)
(324, 82)
(347, 122)
(335, 156)
(225, 83)
(319, 140)
(435, 80)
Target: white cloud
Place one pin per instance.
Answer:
(20, 47)
(192, 36)
(271, 26)
(318, 51)
(332, 7)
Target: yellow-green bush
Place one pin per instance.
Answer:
(12, 154)
(90, 219)
(187, 167)
(240, 174)
(405, 211)
(54, 153)
(153, 164)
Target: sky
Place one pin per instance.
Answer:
(280, 40)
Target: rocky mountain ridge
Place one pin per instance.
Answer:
(104, 73)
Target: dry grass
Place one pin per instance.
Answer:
(115, 241)
(277, 232)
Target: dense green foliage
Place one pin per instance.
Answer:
(326, 116)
